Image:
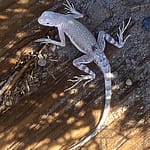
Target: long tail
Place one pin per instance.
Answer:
(103, 63)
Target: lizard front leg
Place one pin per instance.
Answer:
(102, 36)
(80, 64)
(50, 41)
(72, 12)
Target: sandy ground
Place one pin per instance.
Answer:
(36, 113)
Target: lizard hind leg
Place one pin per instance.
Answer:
(80, 63)
(102, 36)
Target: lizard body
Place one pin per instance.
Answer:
(93, 51)
(66, 21)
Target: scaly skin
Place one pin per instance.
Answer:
(93, 51)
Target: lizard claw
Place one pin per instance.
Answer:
(71, 9)
(77, 79)
(69, 6)
(121, 32)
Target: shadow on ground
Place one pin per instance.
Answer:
(36, 113)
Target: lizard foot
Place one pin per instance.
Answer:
(71, 9)
(121, 32)
(77, 79)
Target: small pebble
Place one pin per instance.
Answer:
(8, 103)
(146, 23)
(128, 82)
(41, 62)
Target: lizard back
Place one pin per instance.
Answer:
(79, 35)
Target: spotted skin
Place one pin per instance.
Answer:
(93, 51)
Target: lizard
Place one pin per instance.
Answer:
(92, 49)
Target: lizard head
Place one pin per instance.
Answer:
(47, 18)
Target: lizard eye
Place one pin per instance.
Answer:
(47, 23)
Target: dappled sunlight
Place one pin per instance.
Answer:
(44, 108)
(4, 71)
(2, 134)
(14, 18)
(70, 120)
(17, 10)
(30, 15)
(18, 36)
(73, 91)
(12, 61)
(61, 94)
(8, 63)
(27, 50)
(62, 140)
(54, 96)
(34, 126)
(79, 104)
(10, 44)
(21, 34)
(91, 85)
(43, 144)
(3, 17)
(54, 147)
(23, 2)
(37, 112)
(80, 132)
(6, 138)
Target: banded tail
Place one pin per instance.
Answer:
(103, 63)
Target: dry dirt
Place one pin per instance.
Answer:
(36, 113)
